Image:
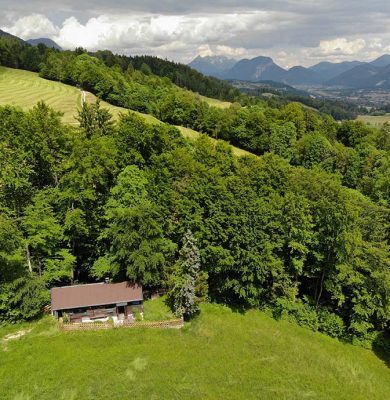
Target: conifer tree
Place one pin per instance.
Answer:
(186, 281)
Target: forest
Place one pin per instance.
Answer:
(300, 228)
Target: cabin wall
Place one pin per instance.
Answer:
(77, 314)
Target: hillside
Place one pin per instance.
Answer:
(180, 74)
(220, 355)
(266, 226)
(7, 35)
(358, 77)
(326, 70)
(25, 89)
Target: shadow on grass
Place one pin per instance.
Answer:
(381, 347)
(239, 308)
(236, 307)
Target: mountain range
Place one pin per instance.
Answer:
(347, 74)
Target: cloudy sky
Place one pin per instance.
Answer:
(291, 31)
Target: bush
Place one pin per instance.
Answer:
(23, 299)
(137, 316)
(298, 312)
(331, 324)
(65, 318)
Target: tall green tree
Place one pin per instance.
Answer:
(187, 284)
(45, 253)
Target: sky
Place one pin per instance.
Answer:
(292, 32)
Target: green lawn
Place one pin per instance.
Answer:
(25, 89)
(221, 355)
(157, 310)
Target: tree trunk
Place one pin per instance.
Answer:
(321, 287)
(28, 257)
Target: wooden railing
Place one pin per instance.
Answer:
(92, 326)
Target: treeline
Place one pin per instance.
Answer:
(15, 53)
(339, 110)
(116, 200)
(180, 74)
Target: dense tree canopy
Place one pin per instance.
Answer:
(301, 228)
(116, 200)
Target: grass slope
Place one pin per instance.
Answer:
(191, 134)
(375, 120)
(24, 89)
(221, 355)
(215, 102)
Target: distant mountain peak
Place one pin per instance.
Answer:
(256, 69)
(382, 61)
(212, 65)
(46, 41)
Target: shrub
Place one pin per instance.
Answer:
(65, 318)
(298, 312)
(138, 316)
(23, 299)
(331, 324)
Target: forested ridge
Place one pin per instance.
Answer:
(302, 229)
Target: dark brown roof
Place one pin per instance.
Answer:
(94, 294)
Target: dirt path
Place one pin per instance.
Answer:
(14, 336)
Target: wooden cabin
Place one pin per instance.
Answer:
(97, 302)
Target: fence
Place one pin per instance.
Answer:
(90, 326)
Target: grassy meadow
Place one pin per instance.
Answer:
(191, 134)
(220, 355)
(375, 120)
(25, 89)
(215, 102)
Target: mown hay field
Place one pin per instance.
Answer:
(25, 89)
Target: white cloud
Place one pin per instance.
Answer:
(341, 46)
(337, 50)
(154, 31)
(222, 50)
(32, 26)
